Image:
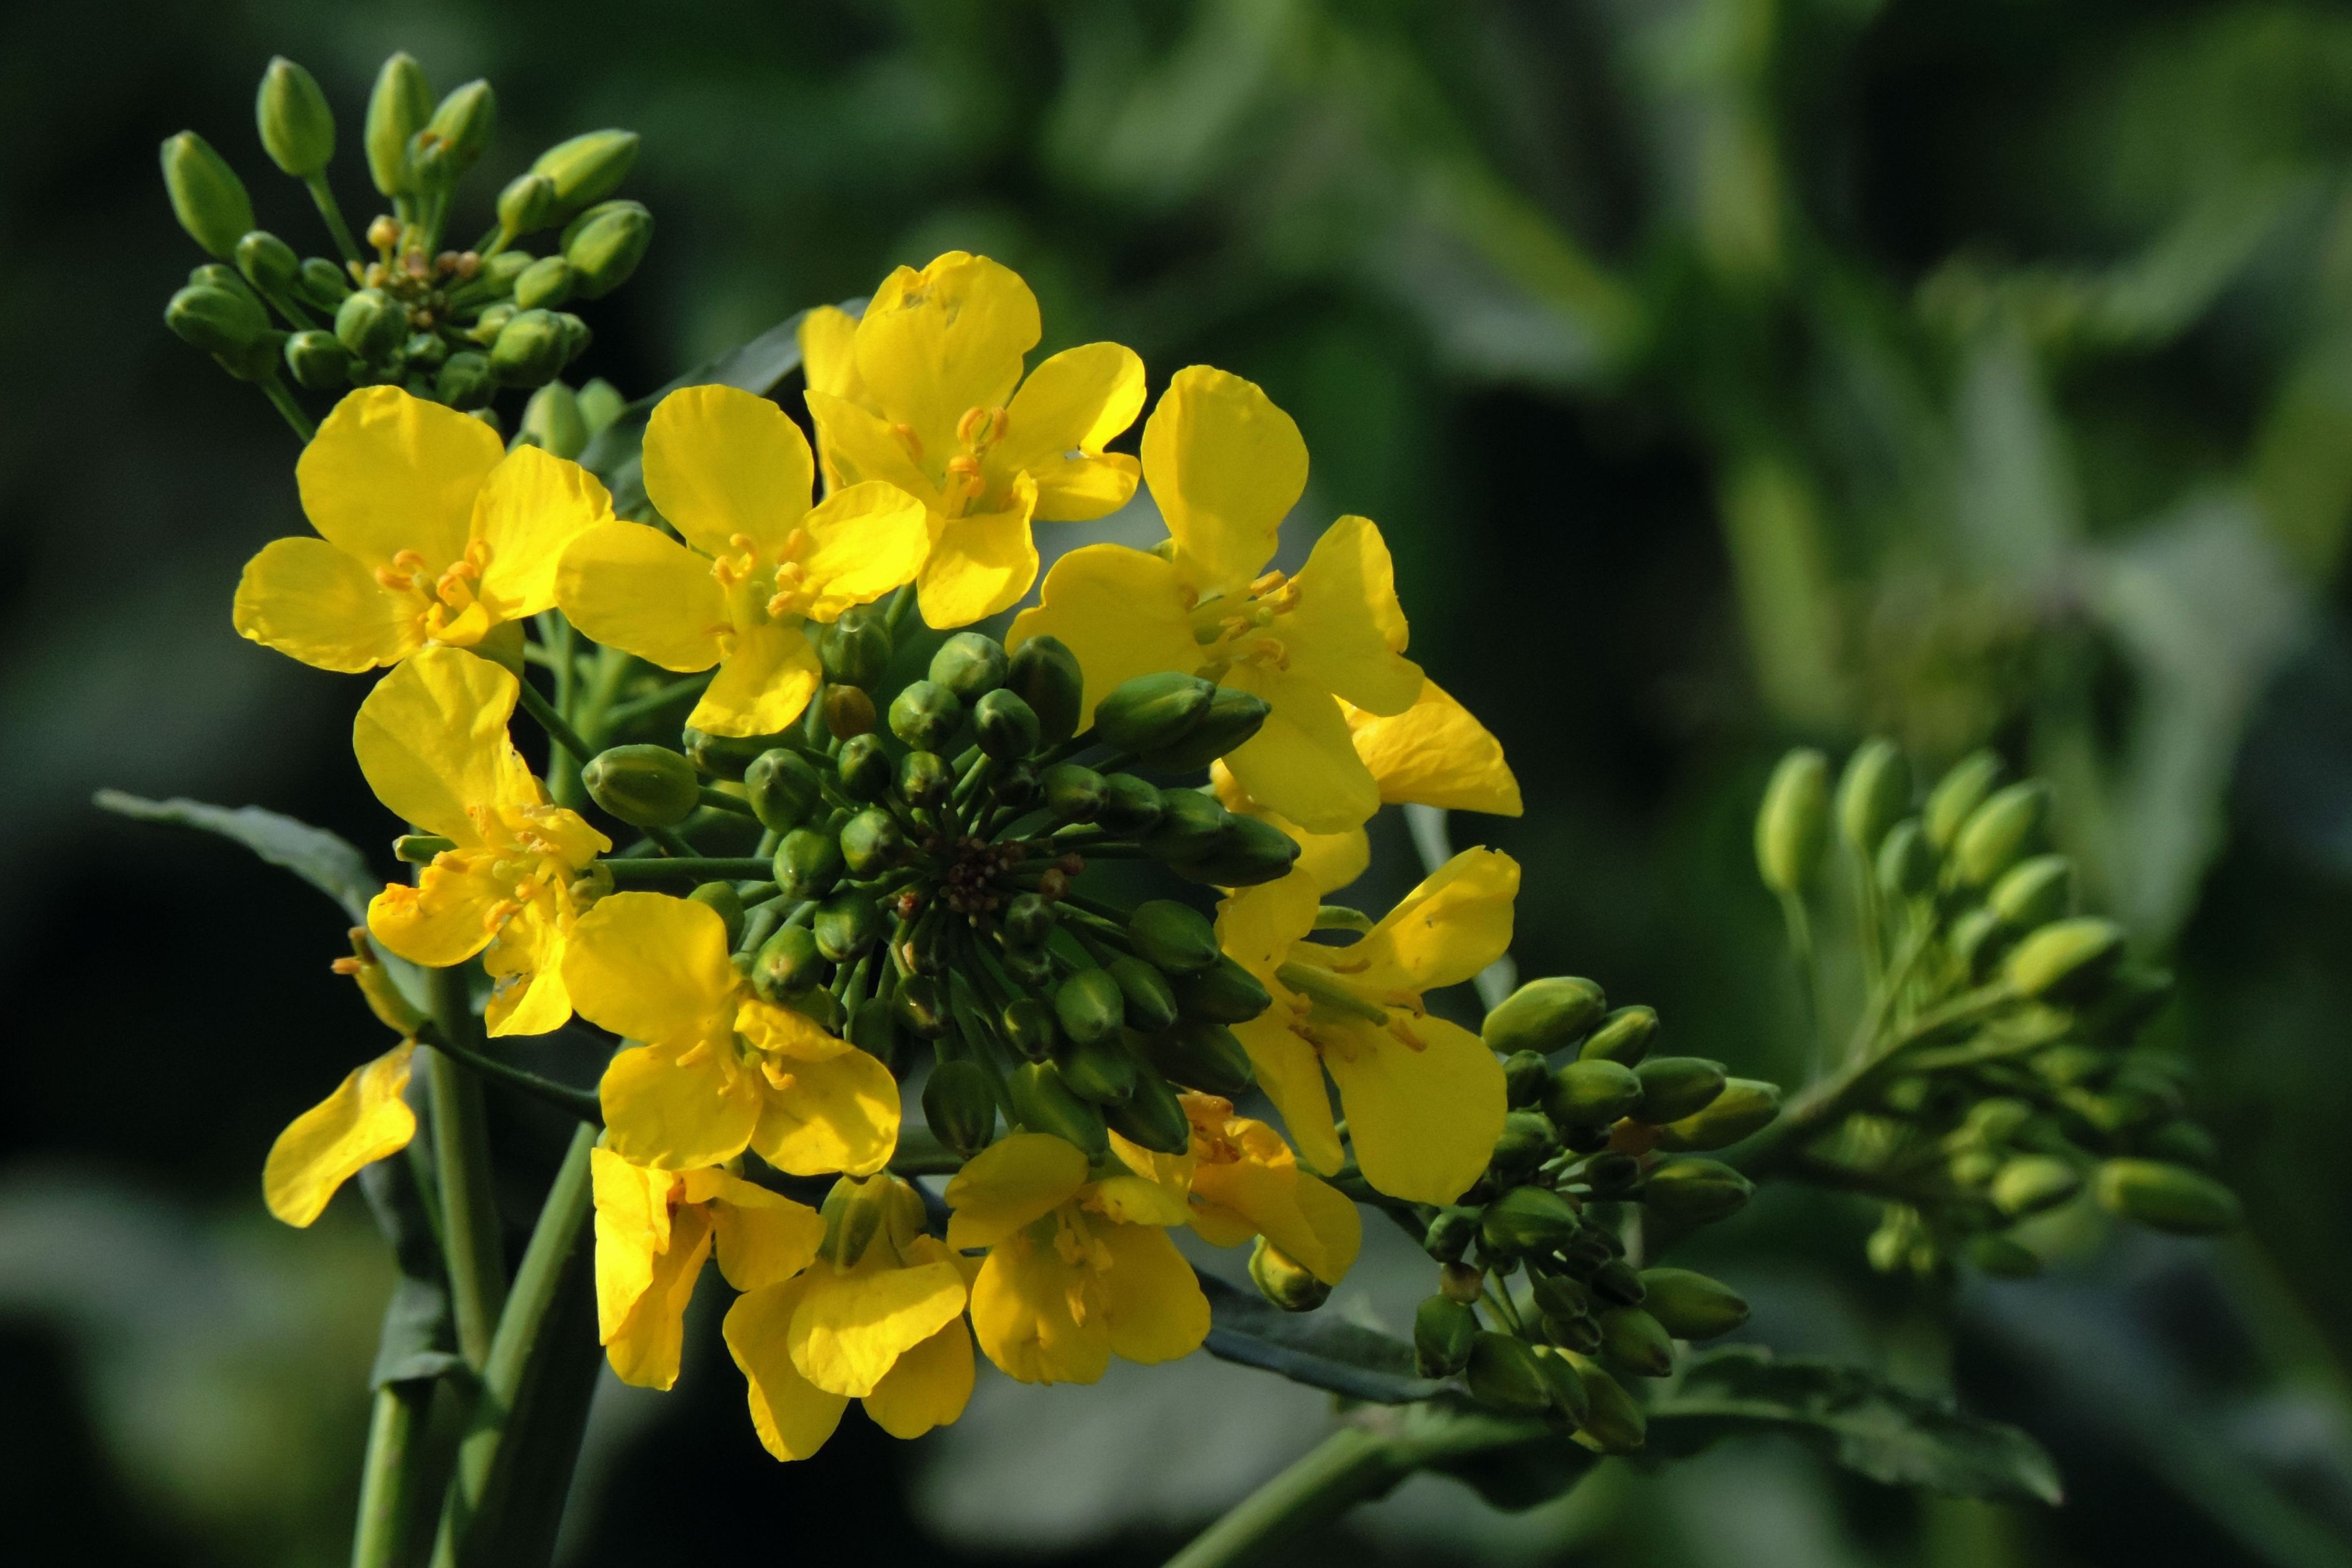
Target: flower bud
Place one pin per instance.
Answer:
(1005, 726)
(1172, 938)
(1462, 1282)
(1689, 1305)
(2033, 892)
(1526, 1219)
(925, 778)
(1231, 717)
(2065, 958)
(1612, 1173)
(544, 284)
(1873, 793)
(1612, 1420)
(1045, 674)
(298, 129)
(2003, 1258)
(1131, 805)
(529, 349)
(458, 131)
(421, 848)
(1443, 1331)
(397, 110)
(1190, 824)
(872, 840)
(1637, 1342)
(855, 650)
(723, 898)
(1955, 797)
(787, 965)
(604, 244)
(1744, 1108)
(925, 715)
(1451, 1231)
(1502, 1372)
(586, 169)
(1695, 1192)
(1029, 1027)
(322, 284)
(1089, 1006)
(1906, 862)
(2183, 1142)
(645, 786)
(1566, 1384)
(1527, 1138)
(1593, 1092)
(465, 381)
(424, 350)
(1072, 793)
(1526, 1078)
(1247, 851)
(808, 863)
(2166, 1197)
(1282, 1280)
(1102, 1072)
(1623, 1037)
(207, 197)
(526, 205)
(1792, 824)
(372, 324)
(317, 360)
(847, 926)
(1152, 710)
(1224, 992)
(1615, 1283)
(267, 262)
(1580, 1333)
(1200, 1054)
(865, 768)
(1544, 1015)
(1152, 1116)
(216, 320)
(1150, 1000)
(1042, 1102)
(783, 787)
(969, 665)
(2032, 1183)
(959, 1104)
(1676, 1086)
(2001, 832)
(551, 421)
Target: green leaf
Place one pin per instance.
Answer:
(1318, 1350)
(419, 1337)
(1855, 1419)
(1514, 1462)
(327, 862)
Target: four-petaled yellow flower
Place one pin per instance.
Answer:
(1433, 753)
(429, 531)
(1424, 1098)
(719, 1071)
(1240, 1180)
(364, 1119)
(878, 1317)
(432, 740)
(732, 474)
(1224, 465)
(920, 391)
(655, 1228)
(1078, 1269)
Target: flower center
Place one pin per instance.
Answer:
(1246, 628)
(761, 587)
(963, 483)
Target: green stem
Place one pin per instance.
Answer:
(1347, 1467)
(656, 700)
(684, 868)
(381, 1539)
(562, 733)
(720, 799)
(672, 844)
(1800, 953)
(580, 1102)
(283, 401)
(323, 198)
(469, 1219)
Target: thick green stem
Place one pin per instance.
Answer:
(381, 1539)
(469, 1217)
(1348, 1466)
(559, 732)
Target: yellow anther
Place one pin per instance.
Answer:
(909, 440)
(981, 428)
(1268, 584)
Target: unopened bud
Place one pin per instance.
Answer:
(645, 786)
(1526, 1078)
(1623, 1037)
(267, 262)
(1102, 1072)
(544, 284)
(1545, 1016)
(1527, 1138)
(2064, 958)
(959, 1104)
(872, 841)
(2166, 1197)
(848, 713)
(585, 170)
(1502, 1372)
(322, 284)
(855, 650)
(527, 204)
(1873, 793)
(1443, 1331)
(1957, 797)
(1695, 1192)
(1191, 822)
(1906, 861)
(1044, 1103)
(1283, 1281)
(298, 129)
(1676, 1086)
(1152, 710)
(529, 349)
(465, 381)
(1689, 1305)
(1526, 1219)
(1461, 1282)
(217, 320)
(1006, 725)
(2003, 831)
(1072, 794)
(2033, 892)
(925, 715)
(1200, 1054)
(1612, 1420)
(1565, 1385)
(2032, 1183)
(1744, 1108)
(1130, 806)
(1047, 675)
(723, 898)
(1152, 1116)
(783, 788)
(460, 129)
(787, 965)
(397, 110)
(846, 926)
(1792, 824)
(604, 245)
(207, 197)
(551, 421)
(1593, 1092)
(372, 324)
(1636, 1341)
(1231, 719)
(1451, 1231)
(1172, 938)
(1090, 1006)
(1224, 992)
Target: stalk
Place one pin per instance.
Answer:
(469, 1220)
(381, 1539)
(1348, 1466)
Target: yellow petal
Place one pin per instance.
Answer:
(309, 601)
(792, 1416)
(1257, 925)
(1347, 632)
(1020, 1177)
(637, 589)
(829, 351)
(1151, 1299)
(633, 1228)
(1435, 753)
(928, 1386)
(1225, 466)
(949, 338)
(763, 685)
(525, 963)
(1455, 923)
(839, 1114)
(851, 1327)
(1137, 1200)
(1423, 1121)
(1330, 860)
(1121, 610)
(1057, 423)
(534, 506)
(1292, 1076)
(1301, 764)
(787, 1031)
(364, 1119)
(866, 540)
(645, 1346)
(446, 918)
(979, 565)
(720, 462)
(673, 1115)
(860, 446)
(764, 1237)
(389, 472)
(432, 740)
(1021, 1314)
(653, 968)
(1307, 1217)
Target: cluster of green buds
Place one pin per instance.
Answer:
(917, 876)
(1995, 1071)
(1602, 1161)
(401, 305)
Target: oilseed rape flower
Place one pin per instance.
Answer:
(1239, 1179)
(719, 1071)
(1225, 465)
(1078, 1269)
(878, 1316)
(364, 1119)
(1433, 754)
(429, 533)
(733, 475)
(926, 391)
(1425, 1097)
(432, 741)
(654, 1231)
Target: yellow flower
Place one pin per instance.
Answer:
(732, 474)
(1433, 753)
(364, 1119)
(429, 531)
(721, 1070)
(1240, 1180)
(1424, 1098)
(655, 1228)
(1077, 1270)
(432, 740)
(920, 391)
(878, 1317)
(1225, 465)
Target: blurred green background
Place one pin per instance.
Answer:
(1723, 373)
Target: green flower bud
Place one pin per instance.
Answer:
(925, 778)
(2003, 1258)
(1637, 1341)
(1544, 1015)
(1744, 1108)
(1957, 797)
(207, 197)
(1792, 824)
(298, 129)
(1527, 1138)
(874, 1030)
(1526, 1078)
(1906, 861)
(2065, 958)
(1246, 853)
(1442, 1332)
(1566, 1384)
(1689, 1305)
(545, 284)
(586, 169)
(551, 421)
(1615, 1283)
(216, 320)
(921, 1004)
(1189, 826)
(1200, 1054)
(397, 110)
(1450, 1234)
(2182, 1143)
(848, 925)
(784, 787)
(1623, 1037)
(526, 205)
(1593, 1092)
(1526, 1219)
(969, 665)
(267, 262)
(1502, 1372)
(465, 381)
(1976, 938)
(372, 324)
(2166, 1197)
(1612, 1420)
(1153, 1116)
(457, 134)
(925, 715)
(1072, 794)
(855, 650)
(1172, 938)
(1224, 992)
(604, 244)
(1462, 1282)
(1090, 1006)
(2033, 892)
(1029, 921)
(1101, 1071)
(1561, 1297)
(1695, 1192)
(1029, 1027)
(1042, 1102)
(322, 284)
(1017, 786)
(1150, 1000)
(1231, 717)
(865, 767)
(424, 350)
(645, 786)
(1873, 793)
(528, 349)
(2032, 1183)
(959, 1104)
(421, 848)
(1283, 1281)
(1045, 674)
(2001, 832)
(872, 840)
(1676, 1086)
(1005, 726)
(1152, 710)
(1131, 805)
(1581, 1334)
(808, 863)
(787, 963)
(1612, 1173)
(722, 896)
